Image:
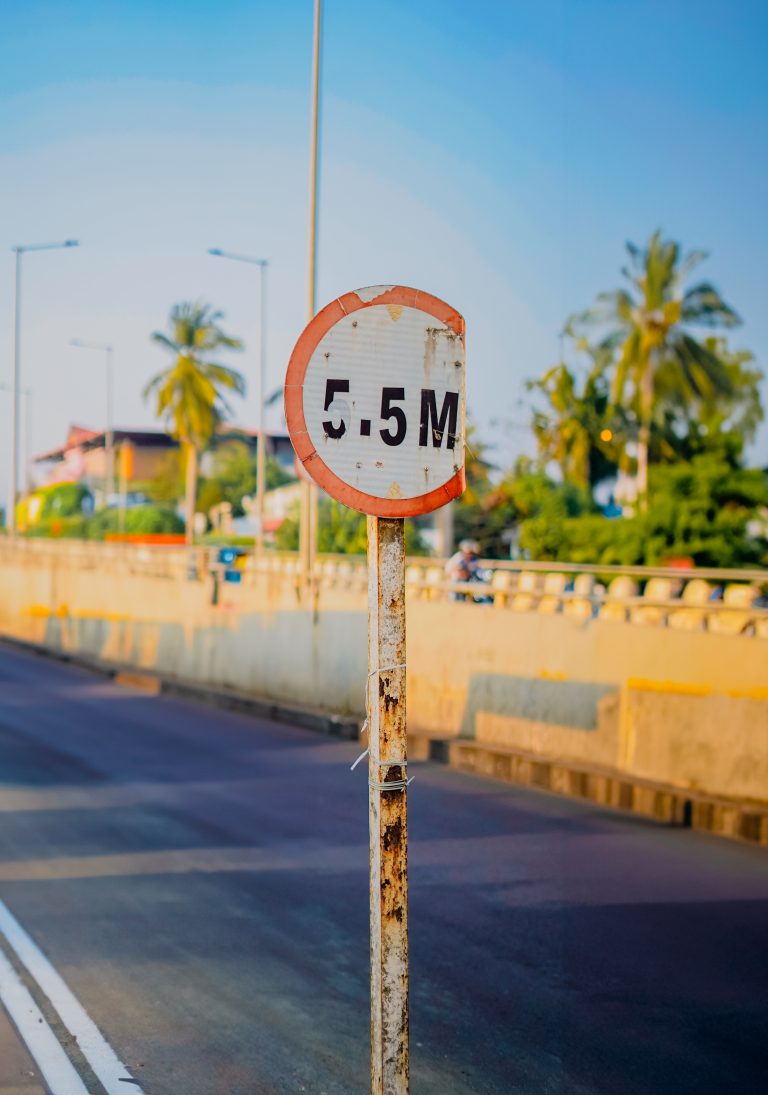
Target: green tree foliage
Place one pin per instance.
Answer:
(723, 421)
(136, 521)
(579, 428)
(341, 531)
(470, 517)
(167, 485)
(234, 470)
(650, 326)
(191, 394)
(57, 501)
(234, 477)
(688, 403)
(538, 507)
(209, 493)
(524, 495)
(698, 510)
(63, 500)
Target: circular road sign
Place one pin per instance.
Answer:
(374, 401)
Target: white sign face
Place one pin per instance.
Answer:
(375, 399)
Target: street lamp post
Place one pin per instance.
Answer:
(309, 517)
(109, 440)
(261, 455)
(27, 393)
(19, 250)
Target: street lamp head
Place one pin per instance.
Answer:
(219, 253)
(20, 248)
(81, 344)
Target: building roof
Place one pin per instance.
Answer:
(83, 438)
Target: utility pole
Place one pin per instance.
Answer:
(109, 432)
(261, 453)
(308, 522)
(11, 520)
(19, 250)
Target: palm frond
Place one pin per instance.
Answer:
(629, 361)
(688, 263)
(707, 372)
(190, 394)
(222, 375)
(636, 260)
(168, 343)
(151, 385)
(703, 305)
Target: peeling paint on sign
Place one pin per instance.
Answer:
(375, 397)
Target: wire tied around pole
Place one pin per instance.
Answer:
(395, 784)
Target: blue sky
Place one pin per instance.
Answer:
(495, 154)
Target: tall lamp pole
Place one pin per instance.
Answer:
(27, 393)
(19, 250)
(109, 439)
(261, 455)
(308, 528)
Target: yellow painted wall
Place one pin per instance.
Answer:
(685, 708)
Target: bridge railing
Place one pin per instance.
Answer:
(727, 601)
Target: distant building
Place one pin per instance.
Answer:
(139, 455)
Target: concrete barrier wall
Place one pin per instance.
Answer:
(689, 709)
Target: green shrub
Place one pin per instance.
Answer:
(60, 500)
(139, 520)
(150, 519)
(64, 528)
(341, 531)
(224, 539)
(698, 510)
(63, 500)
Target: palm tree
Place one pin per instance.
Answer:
(190, 394)
(649, 327)
(578, 430)
(738, 410)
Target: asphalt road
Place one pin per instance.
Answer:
(199, 879)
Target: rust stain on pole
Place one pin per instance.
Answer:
(388, 815)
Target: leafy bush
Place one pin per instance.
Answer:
(525, 499)
(140, 520)
(64, 528)
(153, 519)
(63, 500)
(699, 510)
(60, 500)
(209, 493)
(226, 539)
(341, 531)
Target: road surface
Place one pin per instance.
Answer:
(199, 881)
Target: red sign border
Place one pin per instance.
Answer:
(294, 403)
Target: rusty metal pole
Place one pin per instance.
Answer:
(388, 807)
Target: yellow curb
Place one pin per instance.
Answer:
(142, 682)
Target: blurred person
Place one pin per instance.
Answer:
(465, 563)
(464, 566)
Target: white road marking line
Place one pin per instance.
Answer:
(97, 1051)
(57, 1069)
